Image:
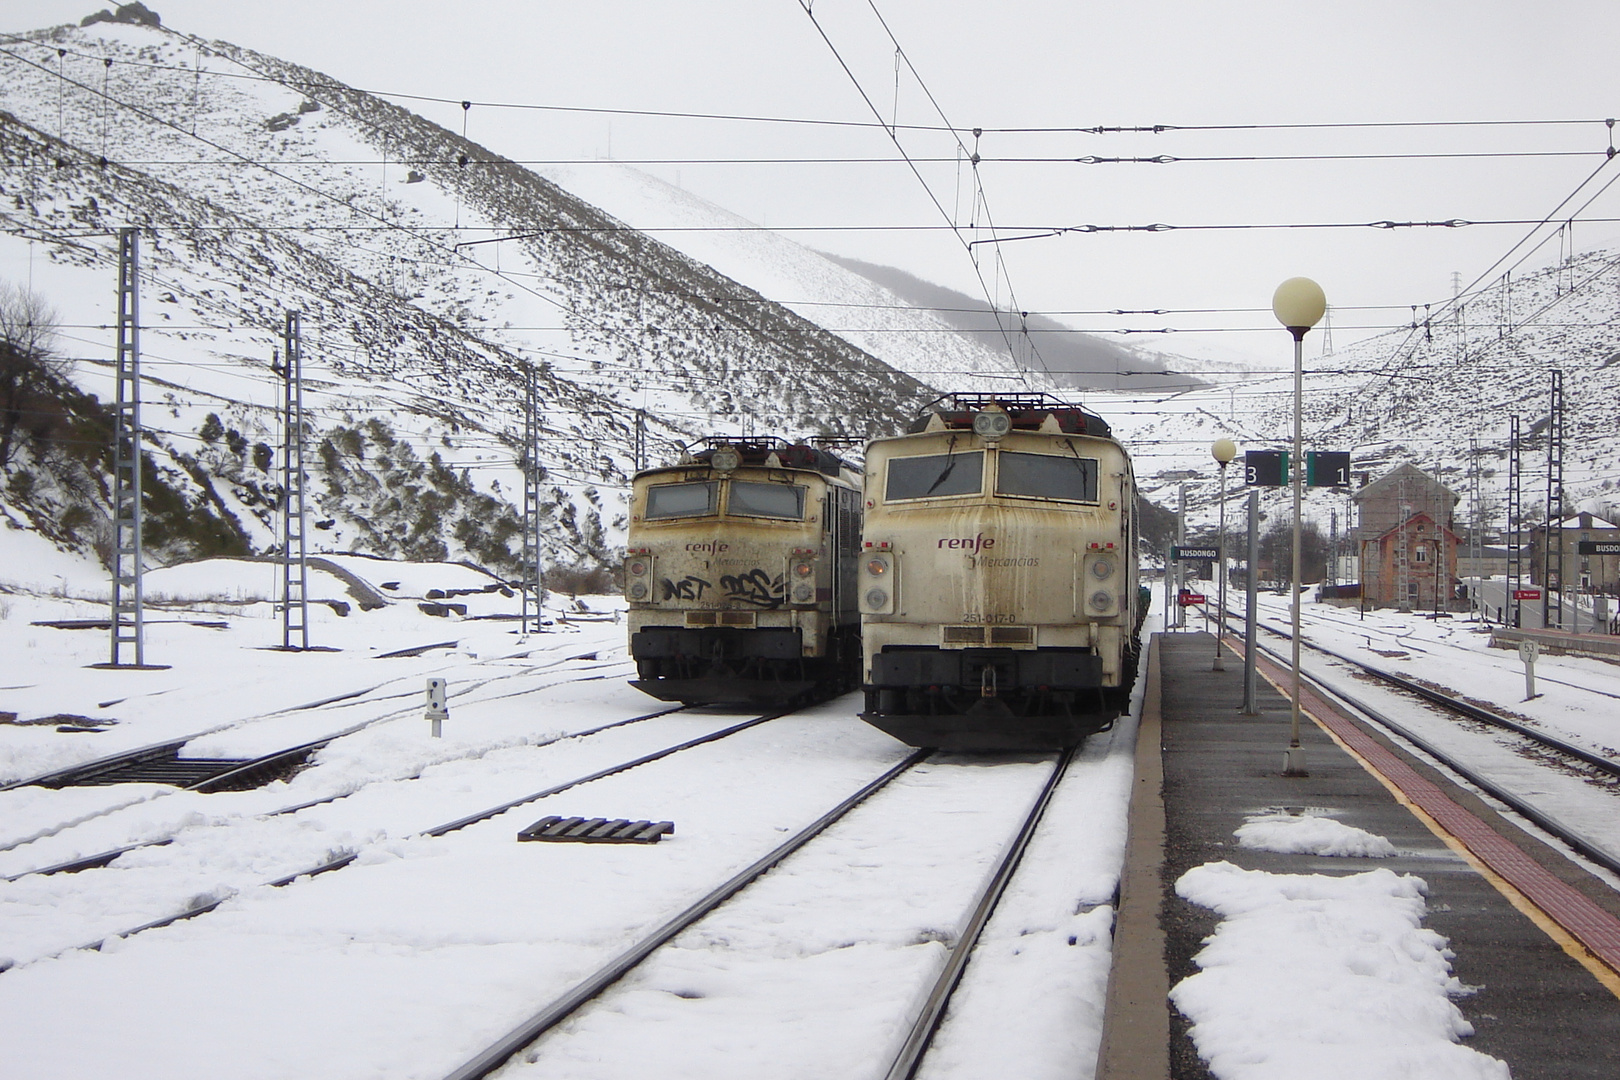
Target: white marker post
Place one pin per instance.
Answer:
(437, 711)
(1528, 651)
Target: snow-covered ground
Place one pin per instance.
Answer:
(1324, 976)
(425, 948)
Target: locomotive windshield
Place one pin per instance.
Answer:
(1047, 476)
(749, 499)
(935, 475)
(681, 500)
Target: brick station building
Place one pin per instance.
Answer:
(1407, 541)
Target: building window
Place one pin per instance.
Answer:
(1420, 554)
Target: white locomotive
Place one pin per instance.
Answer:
(740, 571)
(998, 583)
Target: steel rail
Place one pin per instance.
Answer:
(340, 861)
(1427, 648)
(110, 763)
(346, 858)
(1577, 841)
(927, 1021)
(157, 751)
(103, 858)
(498, 1053)
(1473, 712)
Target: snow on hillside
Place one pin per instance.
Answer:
(914, 340)
(1421, 396)
(261, 187)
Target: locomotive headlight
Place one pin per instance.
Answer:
(804, 569)
(803, 593)
(725, 459)
(1098, 577)
(636, 568)
(991, 424)
(882, 582)
(638, 590)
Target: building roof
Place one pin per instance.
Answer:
(1592, 522)
(1393, 478)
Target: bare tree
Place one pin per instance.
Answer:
(30, 369)
(1277, 548)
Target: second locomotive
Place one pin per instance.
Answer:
(740, 573)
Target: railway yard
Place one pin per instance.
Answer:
(558, 607)
(262, 863)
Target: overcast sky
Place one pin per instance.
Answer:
(1034, 64)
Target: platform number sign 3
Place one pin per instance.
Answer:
(1265, 468)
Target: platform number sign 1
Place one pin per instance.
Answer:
(1327, 468)
(1265, 468)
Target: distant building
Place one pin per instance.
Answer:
(1572, 571)
(1492, 562)
(1406, 539)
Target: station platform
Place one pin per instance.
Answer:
(1203, 769)
(1602, 646)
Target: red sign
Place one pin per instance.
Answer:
(1188, 599)
(1527, 594)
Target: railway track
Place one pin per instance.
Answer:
(1600, 762)
(198, 905)
(104, 858)
(928, 1008)
(1595, 851)
(1428, 646)
(162, 763)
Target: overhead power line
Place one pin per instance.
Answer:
(1027, 232)
(423, 235)
(987, 159)
(892, 130)
(879, 124)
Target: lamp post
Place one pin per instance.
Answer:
(1299, 304)
(1223, 450)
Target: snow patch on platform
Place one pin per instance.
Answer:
(1329, 977)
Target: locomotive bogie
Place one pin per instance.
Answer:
(998, 584)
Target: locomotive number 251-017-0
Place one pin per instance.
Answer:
(976, 617)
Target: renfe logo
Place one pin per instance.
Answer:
(712, 547)
(969, 543)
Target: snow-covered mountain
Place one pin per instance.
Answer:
(869, 310)
(433, 275)
(262, 187)
(1438, 394)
